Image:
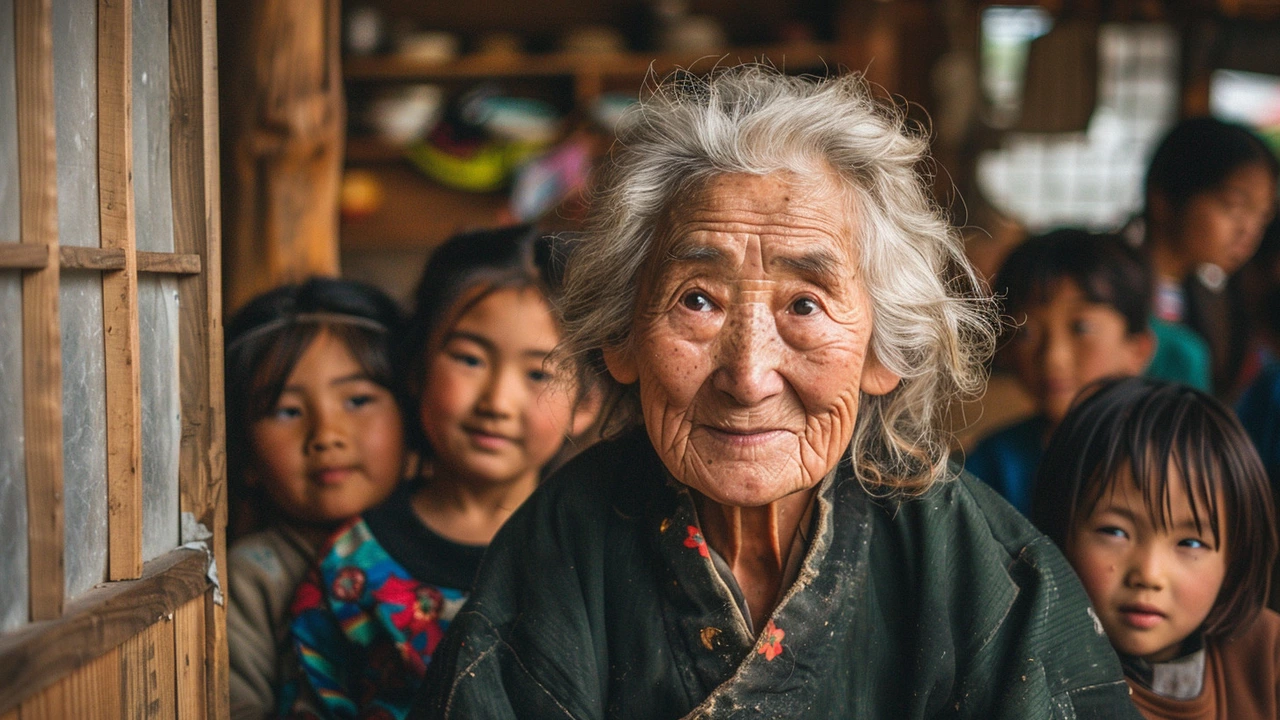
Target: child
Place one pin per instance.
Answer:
(1079, 303)
(1210, 191)
(314, 437)
(494, 412)
(1158, 500)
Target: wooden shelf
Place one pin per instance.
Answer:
(480, 67)
(417, 212)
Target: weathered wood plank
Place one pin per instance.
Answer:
(42, 347)
(189, 654)
(197, 216)
(90, 258)
(171, 263)
(120, 289)
(146, 673)
(42, 653)
(21, 256)
(93, 692)
(47, 705)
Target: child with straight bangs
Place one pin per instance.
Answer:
(315, 436)
(494, 412)
(1157, 498)
(1079, 304)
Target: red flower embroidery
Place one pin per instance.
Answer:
(771, 641)
(348, 584)
(695, 541)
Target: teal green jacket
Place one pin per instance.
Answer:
(598, 600)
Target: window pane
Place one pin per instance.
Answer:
(13, 472)
(75, 89)
(84, 430)
(8, 128)
(161, 419)
(151, 181)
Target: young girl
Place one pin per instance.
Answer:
(494, 412)
(314, 438)
(1210, 191)
(1079, 302)
(1158, 500)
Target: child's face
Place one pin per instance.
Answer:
(492, 409)
(1067, 342)
(1225, 225)
(1150, 587)
(333, 445)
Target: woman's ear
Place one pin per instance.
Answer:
(876, 378)
(621, 364)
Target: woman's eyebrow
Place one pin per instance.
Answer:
(816, 265)
(694, 252)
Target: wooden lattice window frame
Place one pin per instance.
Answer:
(66, 637)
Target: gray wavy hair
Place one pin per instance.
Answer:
(933, 325)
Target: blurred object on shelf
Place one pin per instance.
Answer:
(546, 180)
(679, 32)
(515, 119)
(593, 39)
(406, 114)
(365, 32)
(430, 47)
(500, 44)
(610, 109)
(361, 195)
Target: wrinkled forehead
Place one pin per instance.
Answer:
(779, 222)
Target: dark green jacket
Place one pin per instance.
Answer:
(597, 601)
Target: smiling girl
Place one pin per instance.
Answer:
(1158, 500)
(315, 437)
(494, 412)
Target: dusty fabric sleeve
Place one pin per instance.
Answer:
(251, 638)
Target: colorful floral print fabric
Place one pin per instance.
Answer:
(365, 630)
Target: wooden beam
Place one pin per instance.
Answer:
(40, 654)
(169, 263)
(42, 348)
(120, 290)
(21, 256)
(92, 693)
(189, 655)
(90, 258)
(197, 217)
(146, 673)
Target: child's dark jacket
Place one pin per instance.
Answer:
(598, 600)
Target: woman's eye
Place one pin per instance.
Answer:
(804, 306)
(696, 301)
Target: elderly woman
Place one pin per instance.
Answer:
(779, 533)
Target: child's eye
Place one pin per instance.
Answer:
(697, 301)
(1081, 327)
(359, 401)
(539, 376)
(1111, 531)
(286, 412)
(467, 359)
(804, 306)
(1194, 543)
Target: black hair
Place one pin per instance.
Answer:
(1163, 433)
(464, 270)
(265, 339)
(1106, 269)
(1198, 155)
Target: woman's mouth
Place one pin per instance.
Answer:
(745, 437)
(1142, 617)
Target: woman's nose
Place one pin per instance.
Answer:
(750, 354)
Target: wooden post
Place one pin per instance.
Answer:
(42, 352)
(286, 127)
(120, 290)
(197, 224)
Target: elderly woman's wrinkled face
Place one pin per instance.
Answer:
(750, 340)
